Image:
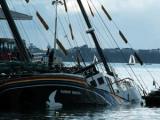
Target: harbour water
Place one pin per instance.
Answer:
(145, 74)
(118, 113)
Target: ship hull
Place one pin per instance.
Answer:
(37, 91)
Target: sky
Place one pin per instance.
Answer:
(139, 20)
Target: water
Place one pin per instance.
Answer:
(99, 113)
(119, 113)
(144, 74)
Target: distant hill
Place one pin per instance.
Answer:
(114, 55)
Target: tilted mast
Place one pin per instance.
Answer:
(91, 31)
(24, 55)
(99, 49)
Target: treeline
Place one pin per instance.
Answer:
(114, 55)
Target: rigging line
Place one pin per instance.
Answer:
(100, 34)
(81, 27)
(112, 19)
(116, 43)
(75, 43)
(69, 22)
(26, 34)
(4, 30)
(144, 83)
(37, 25)
(100, 19)
(64, 30)
(65, 34)
(68, 18)
(90, 9)
(20, 23)
(108, 31)
(151, 75)
(110, 35)
(120, 33)
(129, 44)
(83, 38)
(2, 26)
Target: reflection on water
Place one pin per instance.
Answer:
(97, 113)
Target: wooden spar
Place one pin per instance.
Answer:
(61, 47)
(107, 14)
(71, 31)
(123, 37)
(138, 58)
(65, 5)
(90, 9)
(99, 50)
(42, 21)
(24, 54)
(27, 1)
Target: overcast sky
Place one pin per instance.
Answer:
(138, 19)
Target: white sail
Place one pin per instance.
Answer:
(132, 60)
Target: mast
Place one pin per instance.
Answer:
(91, 31)
(99, 49)
(20, 44)
(56, 2)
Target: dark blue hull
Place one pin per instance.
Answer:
(34, 92)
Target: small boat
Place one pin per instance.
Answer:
(24, 83)
(152, 99)
(132, 60)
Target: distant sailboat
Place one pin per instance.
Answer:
(132, 60)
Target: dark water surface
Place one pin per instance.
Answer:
(97, 113)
